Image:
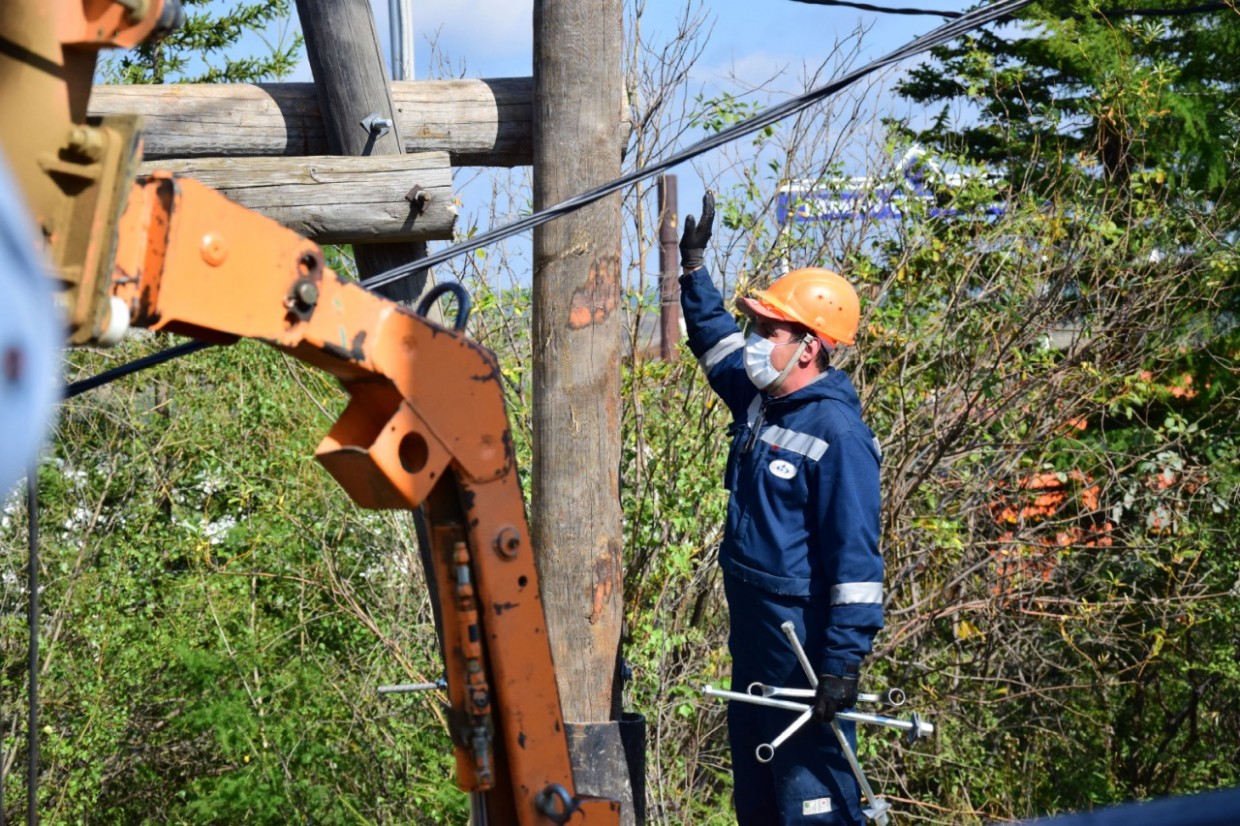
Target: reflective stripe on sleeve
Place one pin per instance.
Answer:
(854, 593)
(801, 443)
(725, 347)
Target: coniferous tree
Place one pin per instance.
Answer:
(215, 46)
(1070, 82)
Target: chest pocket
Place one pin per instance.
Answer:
(772, 495)
(784, 460)
(782, 478)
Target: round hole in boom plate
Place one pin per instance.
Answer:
(522, 581)
(413, 453)
(308, 264)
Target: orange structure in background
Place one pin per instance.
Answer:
(1072, 501)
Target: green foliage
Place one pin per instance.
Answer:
(217, 615)
(1057, 532)
(1069, 85)
(674, 507)
(215, 45)
(1052, 392)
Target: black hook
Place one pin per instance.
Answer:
(463, 302)
(556, 804)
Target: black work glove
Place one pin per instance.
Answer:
(696, 235)
(836, 692)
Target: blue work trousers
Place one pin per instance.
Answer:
(808, 781)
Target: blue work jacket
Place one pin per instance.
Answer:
(803, 474)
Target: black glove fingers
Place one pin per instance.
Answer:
(696, 235)
(708, 211)
(834, 693)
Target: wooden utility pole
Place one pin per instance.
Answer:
(575, 510)
(356, 103)
(669, 269)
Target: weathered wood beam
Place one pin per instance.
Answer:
(477, 122)
(333, 199)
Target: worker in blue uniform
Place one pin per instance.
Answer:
(801, 541)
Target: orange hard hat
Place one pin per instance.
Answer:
(813, 297)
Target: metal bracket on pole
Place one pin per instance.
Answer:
(773, 697)
(376, 125)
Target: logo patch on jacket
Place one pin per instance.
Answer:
(783, 469)
(821, 806)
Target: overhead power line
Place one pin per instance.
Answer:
(135, 366)
(1104, 13)
(882, 9)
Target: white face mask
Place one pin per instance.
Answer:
(758, 362)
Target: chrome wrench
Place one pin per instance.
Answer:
(877, 811)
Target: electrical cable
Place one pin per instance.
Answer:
(108, 376)
(944, 33)
(881, 9)
(961, 24)
(32, 617)
(1103, 13)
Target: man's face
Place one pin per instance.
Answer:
(779, 333)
